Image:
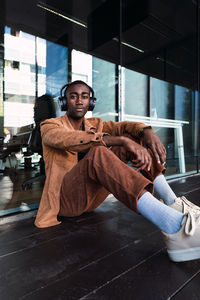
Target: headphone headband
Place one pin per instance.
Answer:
(63, 98)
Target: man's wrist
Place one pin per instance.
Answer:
(141, 134)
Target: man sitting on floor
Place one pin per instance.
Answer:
(86, 159)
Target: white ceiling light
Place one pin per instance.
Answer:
(53, 11)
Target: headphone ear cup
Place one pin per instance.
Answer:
(92, 103)
(63, 98)
(63, 101)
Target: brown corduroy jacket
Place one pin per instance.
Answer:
(61, 143)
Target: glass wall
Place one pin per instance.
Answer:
(142, 62)
(177, 119)
(32, 67)
(161, 76)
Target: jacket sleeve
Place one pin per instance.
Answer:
(122, 128)
(57, 136)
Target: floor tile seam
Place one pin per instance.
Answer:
(121, 274)
(23, 238)
(71, 274)
(41, 243)
(31, 235)
(183, 285)
(56, 230)
(103, 257)
(30, 247)
(15, 252)
(115, 251)
(191, 191)
(81, 268)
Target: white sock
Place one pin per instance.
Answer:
(164, 190)
(164, 217)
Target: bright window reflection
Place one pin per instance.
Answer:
(135, 96)
(19, 81)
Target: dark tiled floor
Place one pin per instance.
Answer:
(111, 253)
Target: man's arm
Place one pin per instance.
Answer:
(124, 127)
(139, 131)
(142, 158)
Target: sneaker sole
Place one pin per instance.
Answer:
(184, 255)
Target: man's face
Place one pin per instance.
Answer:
(78, 99)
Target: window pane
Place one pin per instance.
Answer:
(173, 109)
(103, 77)
(100, 75)
(135, 96)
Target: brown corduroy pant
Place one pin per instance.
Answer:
(103, 171)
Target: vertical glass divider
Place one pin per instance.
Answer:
(120, 69)
(198, 80)
(69, 75)
(2, 84)
(36, 69)
(121, 92)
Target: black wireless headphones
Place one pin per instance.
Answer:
(63, 97)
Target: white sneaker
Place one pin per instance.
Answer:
(184, 206)
(184, 245)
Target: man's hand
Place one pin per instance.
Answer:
(152, 141)
(141, 157)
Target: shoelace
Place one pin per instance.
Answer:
(191, 223)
